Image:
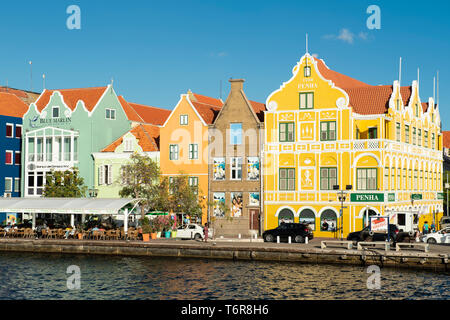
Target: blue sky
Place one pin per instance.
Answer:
(157, 50)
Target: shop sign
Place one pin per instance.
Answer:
(367, 197)
(391, 197)
(440, 195)
(379, 223)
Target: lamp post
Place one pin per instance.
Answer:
(341, 197)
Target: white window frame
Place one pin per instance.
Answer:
(236, 168)
(184, 119)
(21, 131)
(193, 151)
(53, 112)
(12, 130)
(12, 157)
(11, 184)
(16, 184)
(128, 145)
(17, 152)
(111, 113)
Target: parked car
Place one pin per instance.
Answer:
(442, 236)
(444, 222)
(297, 231)
(192, 231)
(366, 235)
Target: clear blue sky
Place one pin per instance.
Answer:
(157, 50)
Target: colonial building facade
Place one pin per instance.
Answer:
(235, 143)
(381, 146)
(63, 128)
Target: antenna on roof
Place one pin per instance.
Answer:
(400, 73)
(220, 94)
(31, 75)
(437, 89)
(43, 81)
(434, 89)
(418, 79)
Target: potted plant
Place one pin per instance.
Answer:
(153, 230)
(146, 229)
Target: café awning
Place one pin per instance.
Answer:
(65, 205)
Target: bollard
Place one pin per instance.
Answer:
(278, 239)
(256, 236)
(289, 239)
(239, 235)
(306, 240)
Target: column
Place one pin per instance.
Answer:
(72, 220)
(125, 221)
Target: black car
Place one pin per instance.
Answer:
(297, 231)
(367, 235)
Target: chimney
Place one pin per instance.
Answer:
(236, 84)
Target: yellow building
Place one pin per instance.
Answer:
(380, 144)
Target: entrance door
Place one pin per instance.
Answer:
(254, 219)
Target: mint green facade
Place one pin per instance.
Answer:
(64, 138)
(108, 166)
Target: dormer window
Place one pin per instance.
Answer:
(55, 112)
(307, 71)
(128, 145)
(111, 114)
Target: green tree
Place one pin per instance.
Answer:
(184, 198)
(64, 184)
(141, 180)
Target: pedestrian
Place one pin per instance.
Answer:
(433, 227)
(205, 232)
(425, 227)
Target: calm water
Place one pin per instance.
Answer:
(43, 276)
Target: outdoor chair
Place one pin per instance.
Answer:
(20, 233)
(44, 233)
(122, 235)
(60, 233)
(133, 235)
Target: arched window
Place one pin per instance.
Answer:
(366, 215)
(307, 216)
(328, 221)
(286, 216)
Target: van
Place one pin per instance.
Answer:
(406, 221)
(444, 222)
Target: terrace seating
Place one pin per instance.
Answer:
(375, 244)
(133, 235)
(336, 243)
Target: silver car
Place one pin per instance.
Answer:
(442, 236)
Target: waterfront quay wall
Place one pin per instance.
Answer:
(433, 261)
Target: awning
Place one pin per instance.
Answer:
(65, 205)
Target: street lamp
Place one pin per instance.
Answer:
(341, 197)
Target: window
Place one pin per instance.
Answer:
(414, 136)
(328, 178)
(17, 158)
(40, 149)
(236, 133)
(9, 130)
(398, 104)
(415, 179)
(373, 133)
(398, 134)
(193, 151)
(399, 179)
(386, 178)
(48, 149)
(67, 148)
(55, 112)
(392, 187)
(111, 114)
(18, 131)
(287, 179)
(410, 182)
(173, 152)
(328, 131)
(425, 137)
(105, 174)
(404, 179)
(306, 100)
(8, 157)
(8, 184)
(432, 141)
(128, 145)
(236, 168)
(184, 120)
(287, 133)
(307, 71)
(193, 183)
(16, 184)
(366, 179)
(419, 137)
(406, 133)
(417, 109)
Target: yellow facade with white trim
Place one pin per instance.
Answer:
(350, 155)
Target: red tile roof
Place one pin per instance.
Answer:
(446, 139)
(132, 115)
(259, 109)
(340, 80)
(26, 96)
(90, 97)
(147, 136)
(149, 114)
(12, 106)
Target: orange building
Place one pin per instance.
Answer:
(184, 141)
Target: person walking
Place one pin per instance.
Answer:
(205, 232)
(425, 228)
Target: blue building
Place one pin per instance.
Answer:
(12, 110)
